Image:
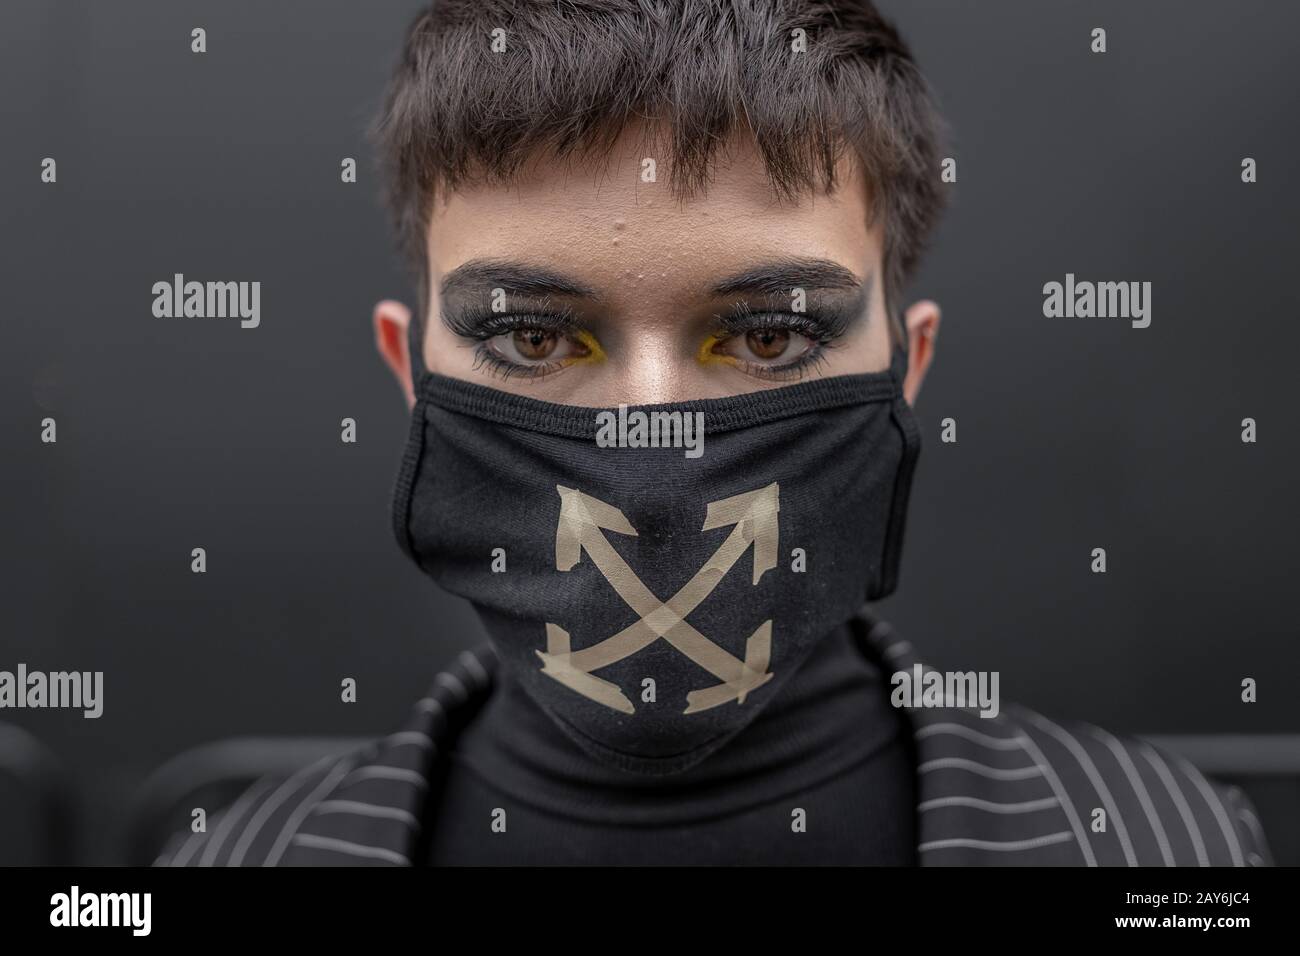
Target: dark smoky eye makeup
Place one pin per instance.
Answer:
(820, 324)
(762, 335)
(755, 337)
(480, 322)
(535, 339)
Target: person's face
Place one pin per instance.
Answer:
(583, 283)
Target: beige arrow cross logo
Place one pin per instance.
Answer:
(752, 516)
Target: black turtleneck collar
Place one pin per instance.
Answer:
(829, 746)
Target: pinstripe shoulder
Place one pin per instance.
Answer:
(1142, 805)
(1031, 789)
(360, 807)
(243, 832)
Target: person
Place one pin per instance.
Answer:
(662, 439)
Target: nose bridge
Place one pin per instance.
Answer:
(651, 372)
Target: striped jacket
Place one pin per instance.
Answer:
(1017, 788)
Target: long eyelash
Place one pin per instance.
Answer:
(791, 371)
(483, 324)
(822, 328)
(480, 325)
(493, 364)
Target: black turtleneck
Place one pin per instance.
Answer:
(823, 775)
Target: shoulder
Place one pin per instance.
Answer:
(361, 807)
(1138, 803)
(258, 827)
(1022, 787)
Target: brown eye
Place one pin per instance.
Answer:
(531, 347)
(534, 344)
(768, 343)
(766, 348)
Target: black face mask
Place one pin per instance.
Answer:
(649, 601)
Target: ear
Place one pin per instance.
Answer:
(922, 321)
(391, 321)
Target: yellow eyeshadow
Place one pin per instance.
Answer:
(706, 355)
(594, 352)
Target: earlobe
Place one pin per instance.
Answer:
(391, 321)
(922, 322)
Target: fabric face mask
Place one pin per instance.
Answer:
(652, 601)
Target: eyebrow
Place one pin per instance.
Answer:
(517, 277)
(779, 276)
(774, 277)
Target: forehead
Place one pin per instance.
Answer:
(615, 218)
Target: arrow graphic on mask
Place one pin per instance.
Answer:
(582, 526)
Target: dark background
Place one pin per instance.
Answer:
(1073, 433)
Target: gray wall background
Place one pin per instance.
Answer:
(1073, 433)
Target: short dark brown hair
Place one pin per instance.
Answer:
(575, 73)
